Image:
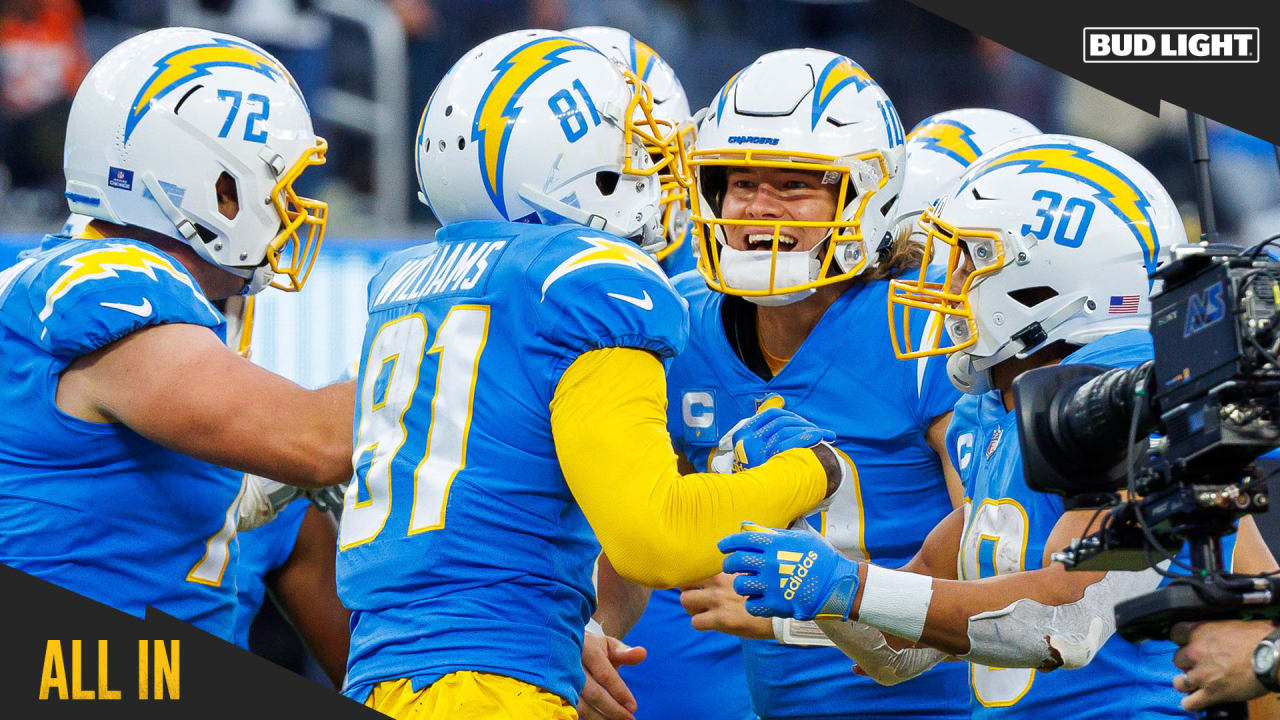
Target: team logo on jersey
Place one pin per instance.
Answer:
(948, 137)
(603, 252)
(838, 74)
(1115, 191)
(643, 58)
(109, 262)
(499, 106)
(194, 61)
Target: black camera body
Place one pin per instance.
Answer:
(1212, 395)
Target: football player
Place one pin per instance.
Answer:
(939, 149)
(1051, 239)
(511, 391)
(122, 413)
(671, 112)
(797, 168)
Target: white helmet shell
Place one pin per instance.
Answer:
(163, 115)
(1063, 233)
(942, 146)
(809, 110)
(536, 126)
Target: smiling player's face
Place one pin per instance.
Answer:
(771, 194)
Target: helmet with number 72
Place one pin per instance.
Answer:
(165, 118)
(1050, 238)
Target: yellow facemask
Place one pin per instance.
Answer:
(290, 256)
(842, 231)
(980, 250)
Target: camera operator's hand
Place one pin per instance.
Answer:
(1216, 657)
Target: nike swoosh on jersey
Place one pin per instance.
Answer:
(644, 303)
(142, 309)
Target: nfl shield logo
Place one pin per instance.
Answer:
(995, 440)
(120, 178)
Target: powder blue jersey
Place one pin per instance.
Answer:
(262, 550)
(461, 546)
(682, 258)
(95, 507)
(846, 379)
(1006, 527)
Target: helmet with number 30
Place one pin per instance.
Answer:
(536, 126)
(1050, 238)
(166, 117)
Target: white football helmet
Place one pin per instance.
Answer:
(162, 116)
(670, 110)
(808, 110)
(942, 146)
(536, 126)
(1062, 233)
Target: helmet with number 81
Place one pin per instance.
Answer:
(170, 118)
(670, 111)
(535, 126)
(808, 111)
(1050, 238)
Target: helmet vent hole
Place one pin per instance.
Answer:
(441, 146)
(427, 143)
(461, 142)
(228, 195)
(1032, 296)
(607, 182)
(448, 110)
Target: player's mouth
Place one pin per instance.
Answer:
(764, 241)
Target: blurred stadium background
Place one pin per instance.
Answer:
(367, 67)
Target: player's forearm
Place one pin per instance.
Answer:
(620, 602)
(659, 528)
(955, 602)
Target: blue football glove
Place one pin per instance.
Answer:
(756, 439)
(790, 573)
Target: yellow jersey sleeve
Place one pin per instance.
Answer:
(658, 527)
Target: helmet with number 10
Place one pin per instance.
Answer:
(166, 118)
(798, 110)
(670, 110)
(1050, 238)
(536, 126)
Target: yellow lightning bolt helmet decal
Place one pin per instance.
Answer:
(1115, 191)
(603, 252)
(498, 106)
(838, 73)
(724, 95)
(947, 137)
(108, 262)
(193, 61)
(643, 58)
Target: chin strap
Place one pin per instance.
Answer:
(1031, 337)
